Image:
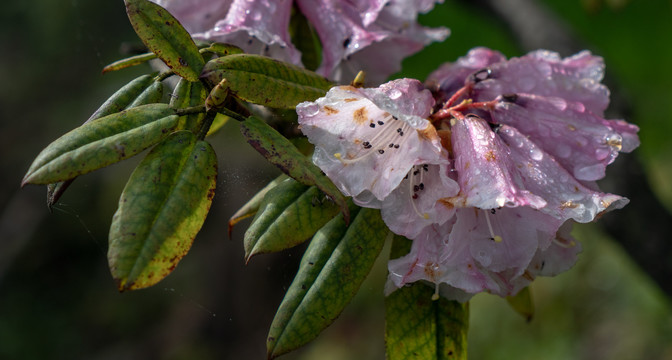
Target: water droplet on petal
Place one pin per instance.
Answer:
(536, 154)
(394, 94)
(309, 110)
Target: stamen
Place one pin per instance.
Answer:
(564, 243)
(493, 237)
(435, 296)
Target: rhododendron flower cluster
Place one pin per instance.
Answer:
(486, 173)
(370, 35)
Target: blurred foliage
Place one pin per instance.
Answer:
(56, 290)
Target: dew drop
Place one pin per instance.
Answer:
(536, 154)
(394, 94)
(309, 110)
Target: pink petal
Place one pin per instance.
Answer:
(484, 169)
(414, 205)
(582, 142)
(365, 142)
(575, 78)
(451, 76)
(542, 175)
(349, 33)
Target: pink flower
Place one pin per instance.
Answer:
(369, 35)
(527, 140)
(377, 146)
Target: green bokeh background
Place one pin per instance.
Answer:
(58, 301)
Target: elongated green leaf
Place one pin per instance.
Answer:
(102, 142)
(165, 37)
(289, 214)
(218, 123)
(124, 97)
(187, 94)
(140, 91)
(336, 262)
(417, 327)
(265, 81)
(305, 39)
(282, 153)
(222, 49)
(522, 303)
(152, 95)
(128, 62)
(253, 205)
(161, 210)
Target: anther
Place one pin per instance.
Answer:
(493, 237)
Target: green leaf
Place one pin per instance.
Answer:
(220, 49)
(124, 97)
(187, 94)
(289, 214)
(128, 62)
(305, 39)
(332, 269)
(417, 327)
(282, 153)
(142, 90)
(152, 95)
(218, 123)
(165, 37)
(253, 205)
(522, 303)
(161, 210)
(265, 81)
(102, 142)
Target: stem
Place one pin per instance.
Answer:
(207, 122)
(232, 114)
(190, 110)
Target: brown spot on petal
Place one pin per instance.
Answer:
(467, 165)
(428, 133)
(350, 100)
(329, 110)
(456, 201)
(490, 156)
(571, 127)
(568, 205)
(360, 116)
(528, 276)
(446, 142)
(431, 269)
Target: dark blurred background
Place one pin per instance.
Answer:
(57, 298)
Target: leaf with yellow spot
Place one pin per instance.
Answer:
(161, 210)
